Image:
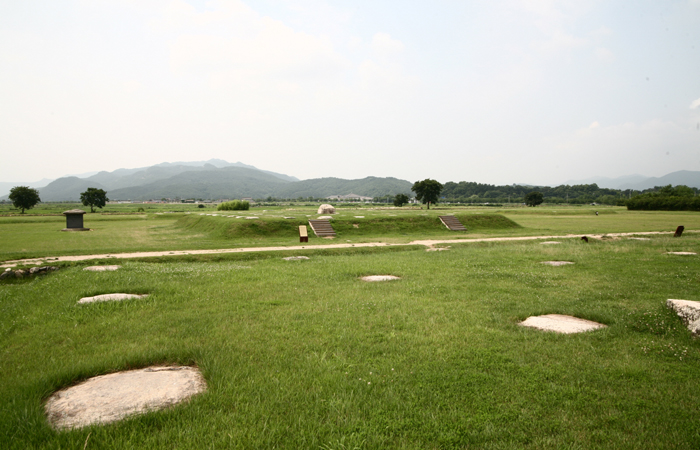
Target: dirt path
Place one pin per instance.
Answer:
(428, 243)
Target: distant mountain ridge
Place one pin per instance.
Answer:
(641, 182)
(213, 179)
(216, 178)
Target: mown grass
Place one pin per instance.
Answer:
(301, 354)
(35, 236)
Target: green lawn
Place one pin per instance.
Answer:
(301, 354)
(34, 236)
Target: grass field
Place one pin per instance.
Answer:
(302, 354)
(35, 236)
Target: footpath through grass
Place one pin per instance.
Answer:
(302, 354)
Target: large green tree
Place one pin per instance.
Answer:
(400, 200)
(24, 197)
(534, 198)
(94, 197)
(427, 191)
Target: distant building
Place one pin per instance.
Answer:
(349, 197)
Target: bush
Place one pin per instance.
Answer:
(235, 205)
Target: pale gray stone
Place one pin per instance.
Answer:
(112, 397)
(561, 324)
(380, 278)
(688, 311)
(109, 297)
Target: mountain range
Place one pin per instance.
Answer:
(640, 182)
(219, 179)
(213, 179)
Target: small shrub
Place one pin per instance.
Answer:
(235, 205)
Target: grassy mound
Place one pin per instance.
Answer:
(226, 228)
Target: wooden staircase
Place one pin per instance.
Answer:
(322, 227)
(452, 223)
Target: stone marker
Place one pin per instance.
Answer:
(561, 323)
(112, 397)
(380, 278)
(679, 231)
(295, 258)
(110, 297)
(638, 239)
(74, 220)
(101, 268)
(681, 253)
(556, 263)
(326, 209)
(688, 311)
(549, 243)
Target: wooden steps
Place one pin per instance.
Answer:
(322, 227)
(452, 223)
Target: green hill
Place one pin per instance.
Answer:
(66, 189)
(324, 187)
(207, 182)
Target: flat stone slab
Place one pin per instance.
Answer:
(549, 243)
(688, 311)
(380, 278)
(295, 258)
(638, 239)
(437, 249)
(112, 397)
(110, 297)
(561, 324)
(101, 268)
(556, 263)
(682, 253)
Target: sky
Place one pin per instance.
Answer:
(492, 91)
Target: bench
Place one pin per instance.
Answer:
(303, 234)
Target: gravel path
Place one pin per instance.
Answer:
(427, 242)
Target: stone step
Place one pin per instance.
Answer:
(452, 223)
(322, 227)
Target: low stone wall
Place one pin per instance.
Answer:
(21, 273)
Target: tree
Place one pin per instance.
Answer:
(24, 197)
(94, 197)
(427, 191)
(400, 200)
(534, 198)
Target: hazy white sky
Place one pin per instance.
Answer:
(494, 91)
